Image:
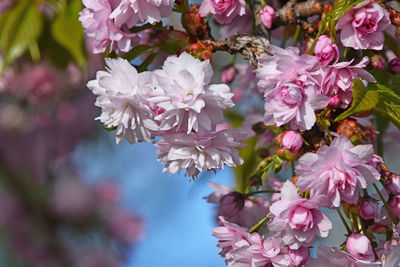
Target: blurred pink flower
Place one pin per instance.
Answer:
(267, 16)
(224, 11)
(359, 247)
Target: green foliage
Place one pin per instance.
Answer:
(391, 43)
(157, 26)
(363, 100)
(138, 50)
(68, 32)
(244, 171)
(20, 28)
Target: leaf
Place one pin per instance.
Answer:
(157, 26)
(68, 32)
(244, 171)
(20, 29)
(389, 111)
(386, 93)
(363, 99)
(138, 50)
(145, 64)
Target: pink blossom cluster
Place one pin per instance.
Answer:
(107, 22)
(176, 102)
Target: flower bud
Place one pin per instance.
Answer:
(394, 66)
(359, 247)
(334, 101)
(297, 257)
(349, 127)
(292, 141)
(267, 16)
(201, 51)
(369, 209)
(194, 23)
(377, 62)
(228, 74)
(325, 50)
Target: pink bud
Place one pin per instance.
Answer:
(334, 101)
(267, 16)
(378, 62)
(325, 50)
(292, 141)
(359, 247)
(369, 209)
(394, 66)
(299, 256)
(228, 74)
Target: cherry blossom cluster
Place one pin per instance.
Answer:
(175, 102)
(305, 107)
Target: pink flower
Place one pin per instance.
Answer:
(334, 257)
(362, 26)
(132, 12)
(359, 247)
(286, 65)
(182, 90)
(394, 205)
(292, 141)
(294, 103)
(224, 11)
(297, 220)
(228, 74)
(298, 257)
(378, 62)
(122, 94)
(325, 50)
(338, 79)
(392, 258)
(267, 16)
(199, 151)
(101, 29)
(337, 171)
(369, 209)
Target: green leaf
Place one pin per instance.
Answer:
(157, 26)
(68, 32)
(112, 128)
(363, 100)
(389, 111)
(386, 93)
(138, 50)
(20, 29)
(146, 63)
(244, 171)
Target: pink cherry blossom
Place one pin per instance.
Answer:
(298, 257)
(297, 220)
(183, 92)
(359, 247)
(199, 151)
(338, 79)
(101, 29)
(337, 171)
(286, 65)
(267, 16)
(325, 50)
(294, 103)
(362, 26)
(224, 11)
(122, 92)
(132, 12)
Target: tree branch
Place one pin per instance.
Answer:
(250, 46)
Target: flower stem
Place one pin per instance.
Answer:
(343, 221)
(259, 224)
(394, 220)
(296, 34)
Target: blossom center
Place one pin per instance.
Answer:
(292, 94)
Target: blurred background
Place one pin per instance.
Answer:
(69, 196)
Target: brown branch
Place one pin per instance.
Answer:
(292, 12)
(250, 46)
